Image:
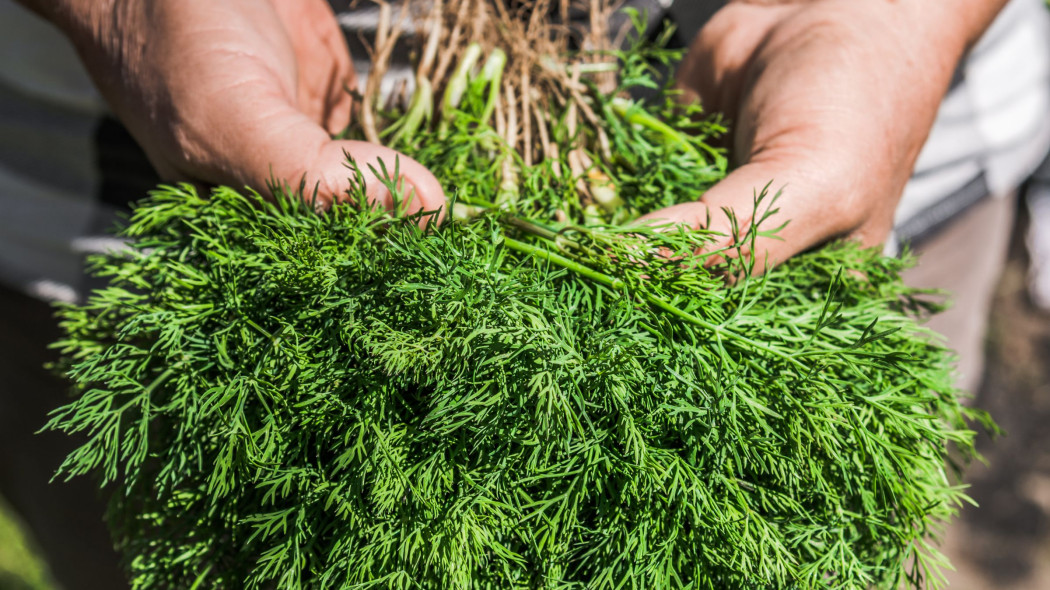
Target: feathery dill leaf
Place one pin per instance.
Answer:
(534, 396)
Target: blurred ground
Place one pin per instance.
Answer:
(1005, 543)
(1002, 545)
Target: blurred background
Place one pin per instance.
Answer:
(1004, 544)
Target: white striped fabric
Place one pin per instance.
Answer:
(993, 125)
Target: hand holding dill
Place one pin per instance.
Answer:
(524, 397)
(831, 102)
(233, 92)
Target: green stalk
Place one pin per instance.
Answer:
(457, 85)
(567, 263)
(420, 109)
(635, 116)
(507, 194)
(492, 74)
(620, 285)
(530, 227)
(720, 330)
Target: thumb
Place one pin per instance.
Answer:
(806, 212)
(381, 167)
(328, 174)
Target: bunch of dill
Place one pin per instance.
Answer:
(528, 397)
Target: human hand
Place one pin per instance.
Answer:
(234, 92)
(831, 101)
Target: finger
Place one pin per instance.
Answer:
(261, 137)
(325, 70)
(805, 211)
(417, 188)
(326, 167)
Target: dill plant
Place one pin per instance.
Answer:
(536, 395)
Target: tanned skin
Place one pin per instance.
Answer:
(830, 100)
(234, 92)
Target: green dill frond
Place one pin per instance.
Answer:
(538, 395)
(345, 400)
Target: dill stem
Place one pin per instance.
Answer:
(620, 285)
(457, 85)
(721, 330)
(567, 263)
(530, 227)
(418, 111)
(639, 117)
(492, 74)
